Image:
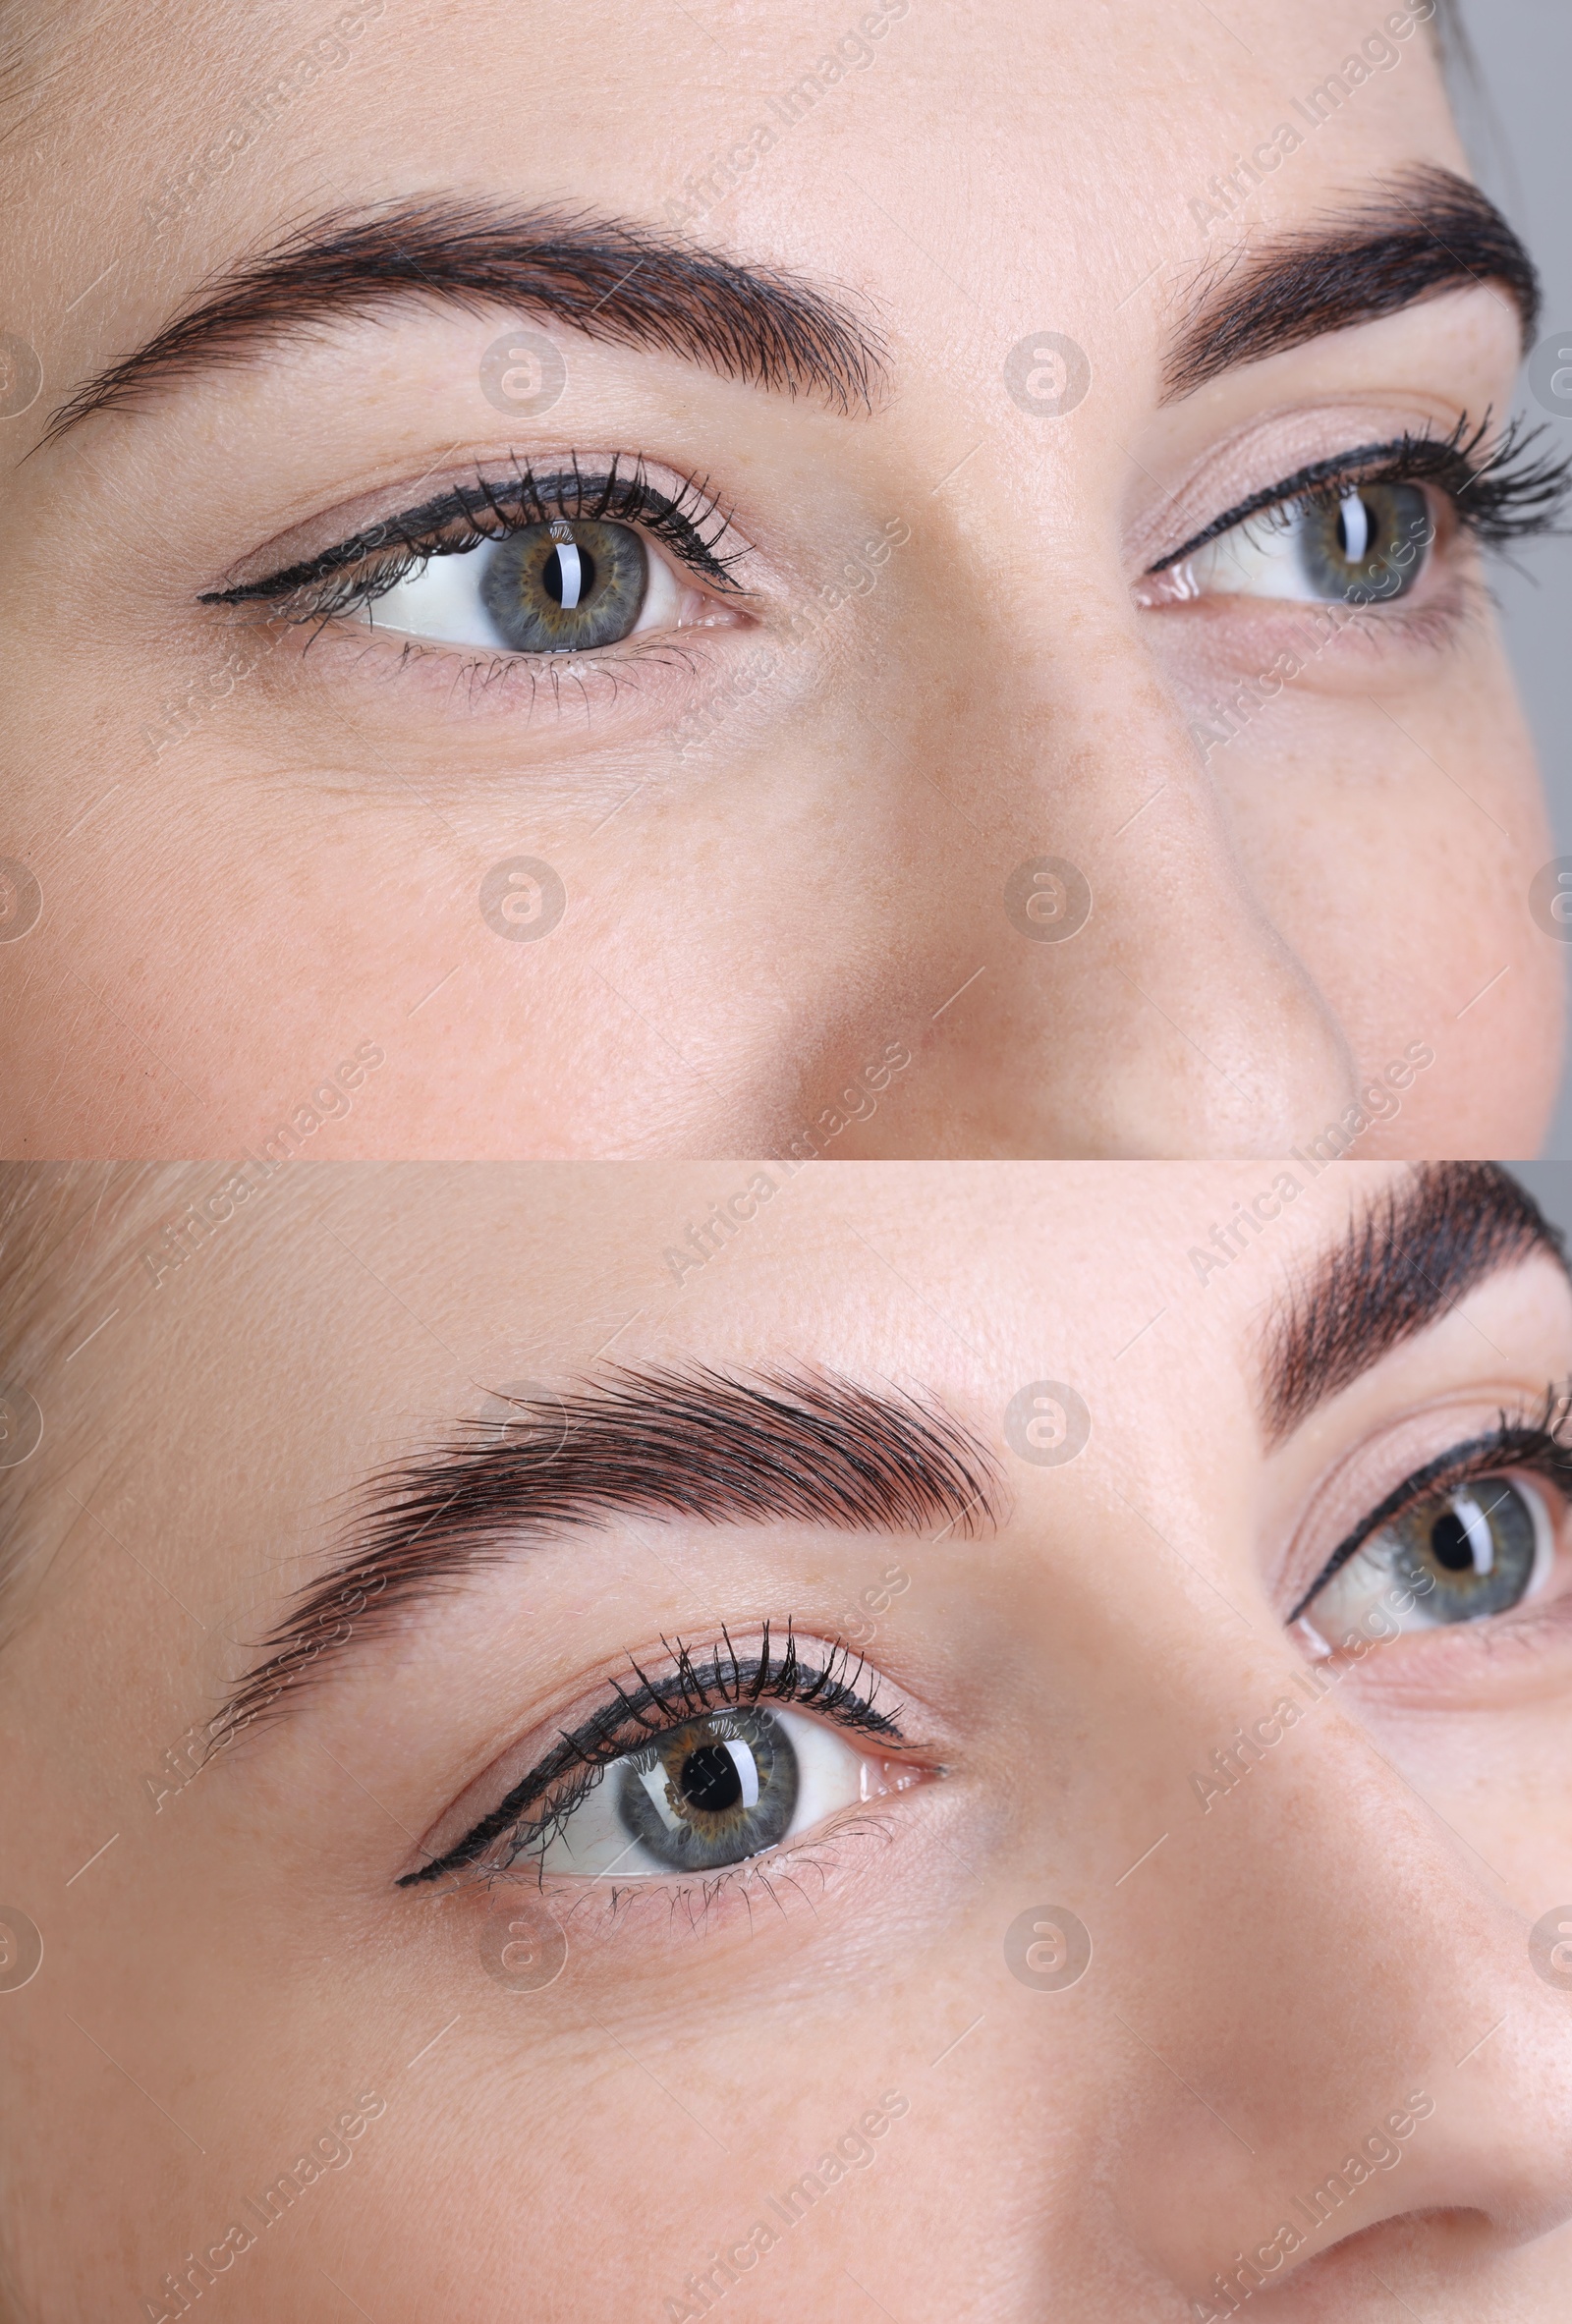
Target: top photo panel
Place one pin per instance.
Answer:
(909, 579)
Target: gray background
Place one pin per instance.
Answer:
(1551, 1185)
(1515, 126)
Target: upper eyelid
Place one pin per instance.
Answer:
(1351, 465)
(1516, 496)
(1514, 1444)
(408, 527)
(593, 1745)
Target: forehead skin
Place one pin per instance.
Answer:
(253, 1977)
(1247, 957)
(355, 1315)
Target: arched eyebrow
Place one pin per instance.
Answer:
(1412, 235)
(617, 280)
(808, 1448)
(1405, 1261)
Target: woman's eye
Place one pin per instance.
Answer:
(712, 1793)
(1481, 1548)
(1370, 542)
(553, 588)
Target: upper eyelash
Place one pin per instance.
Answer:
(690, 522)
(1512, 1444)
(652, 1707)
(1506, 498)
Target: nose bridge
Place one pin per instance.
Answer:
(1338, 2047)
(1137, 959)
(1217, 1029)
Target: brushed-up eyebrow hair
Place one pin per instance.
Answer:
(803, 1447)
(614, 279)
(1405, 1261)
(1412, 235)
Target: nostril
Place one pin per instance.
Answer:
(1381, 2257)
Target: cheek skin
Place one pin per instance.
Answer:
(1399, 890)
(758, 924)
(1404, 888)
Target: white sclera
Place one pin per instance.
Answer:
(1258, 559)
(1264, 557)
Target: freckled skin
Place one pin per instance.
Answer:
(781, 849)
(1286, 1955)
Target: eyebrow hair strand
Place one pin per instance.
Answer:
(1405, 1261)
(1410, 237)
(618, 280)
(804, 1447)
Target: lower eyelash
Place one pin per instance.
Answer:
(696, 1900)
(613, 667)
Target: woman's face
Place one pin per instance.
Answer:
(888, 756)
(1092, 1931)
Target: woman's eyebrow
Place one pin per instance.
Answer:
(807, 1447)
(1405, 1260)
(1412, 235)
(614, 279)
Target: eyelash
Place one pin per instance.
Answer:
(1507, 498)
(1520, 1443)
(339, 580)
(651, 1708)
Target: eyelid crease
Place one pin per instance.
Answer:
(1511, 1444)
(622, 494)
(1510, 502)
(689, 1691)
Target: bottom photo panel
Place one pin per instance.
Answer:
(592, 1743)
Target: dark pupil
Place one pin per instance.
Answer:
(710, 1782)
(1395, 524)
(551, 576)
(1450, 1545)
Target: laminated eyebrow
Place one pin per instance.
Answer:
(800, 1445)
